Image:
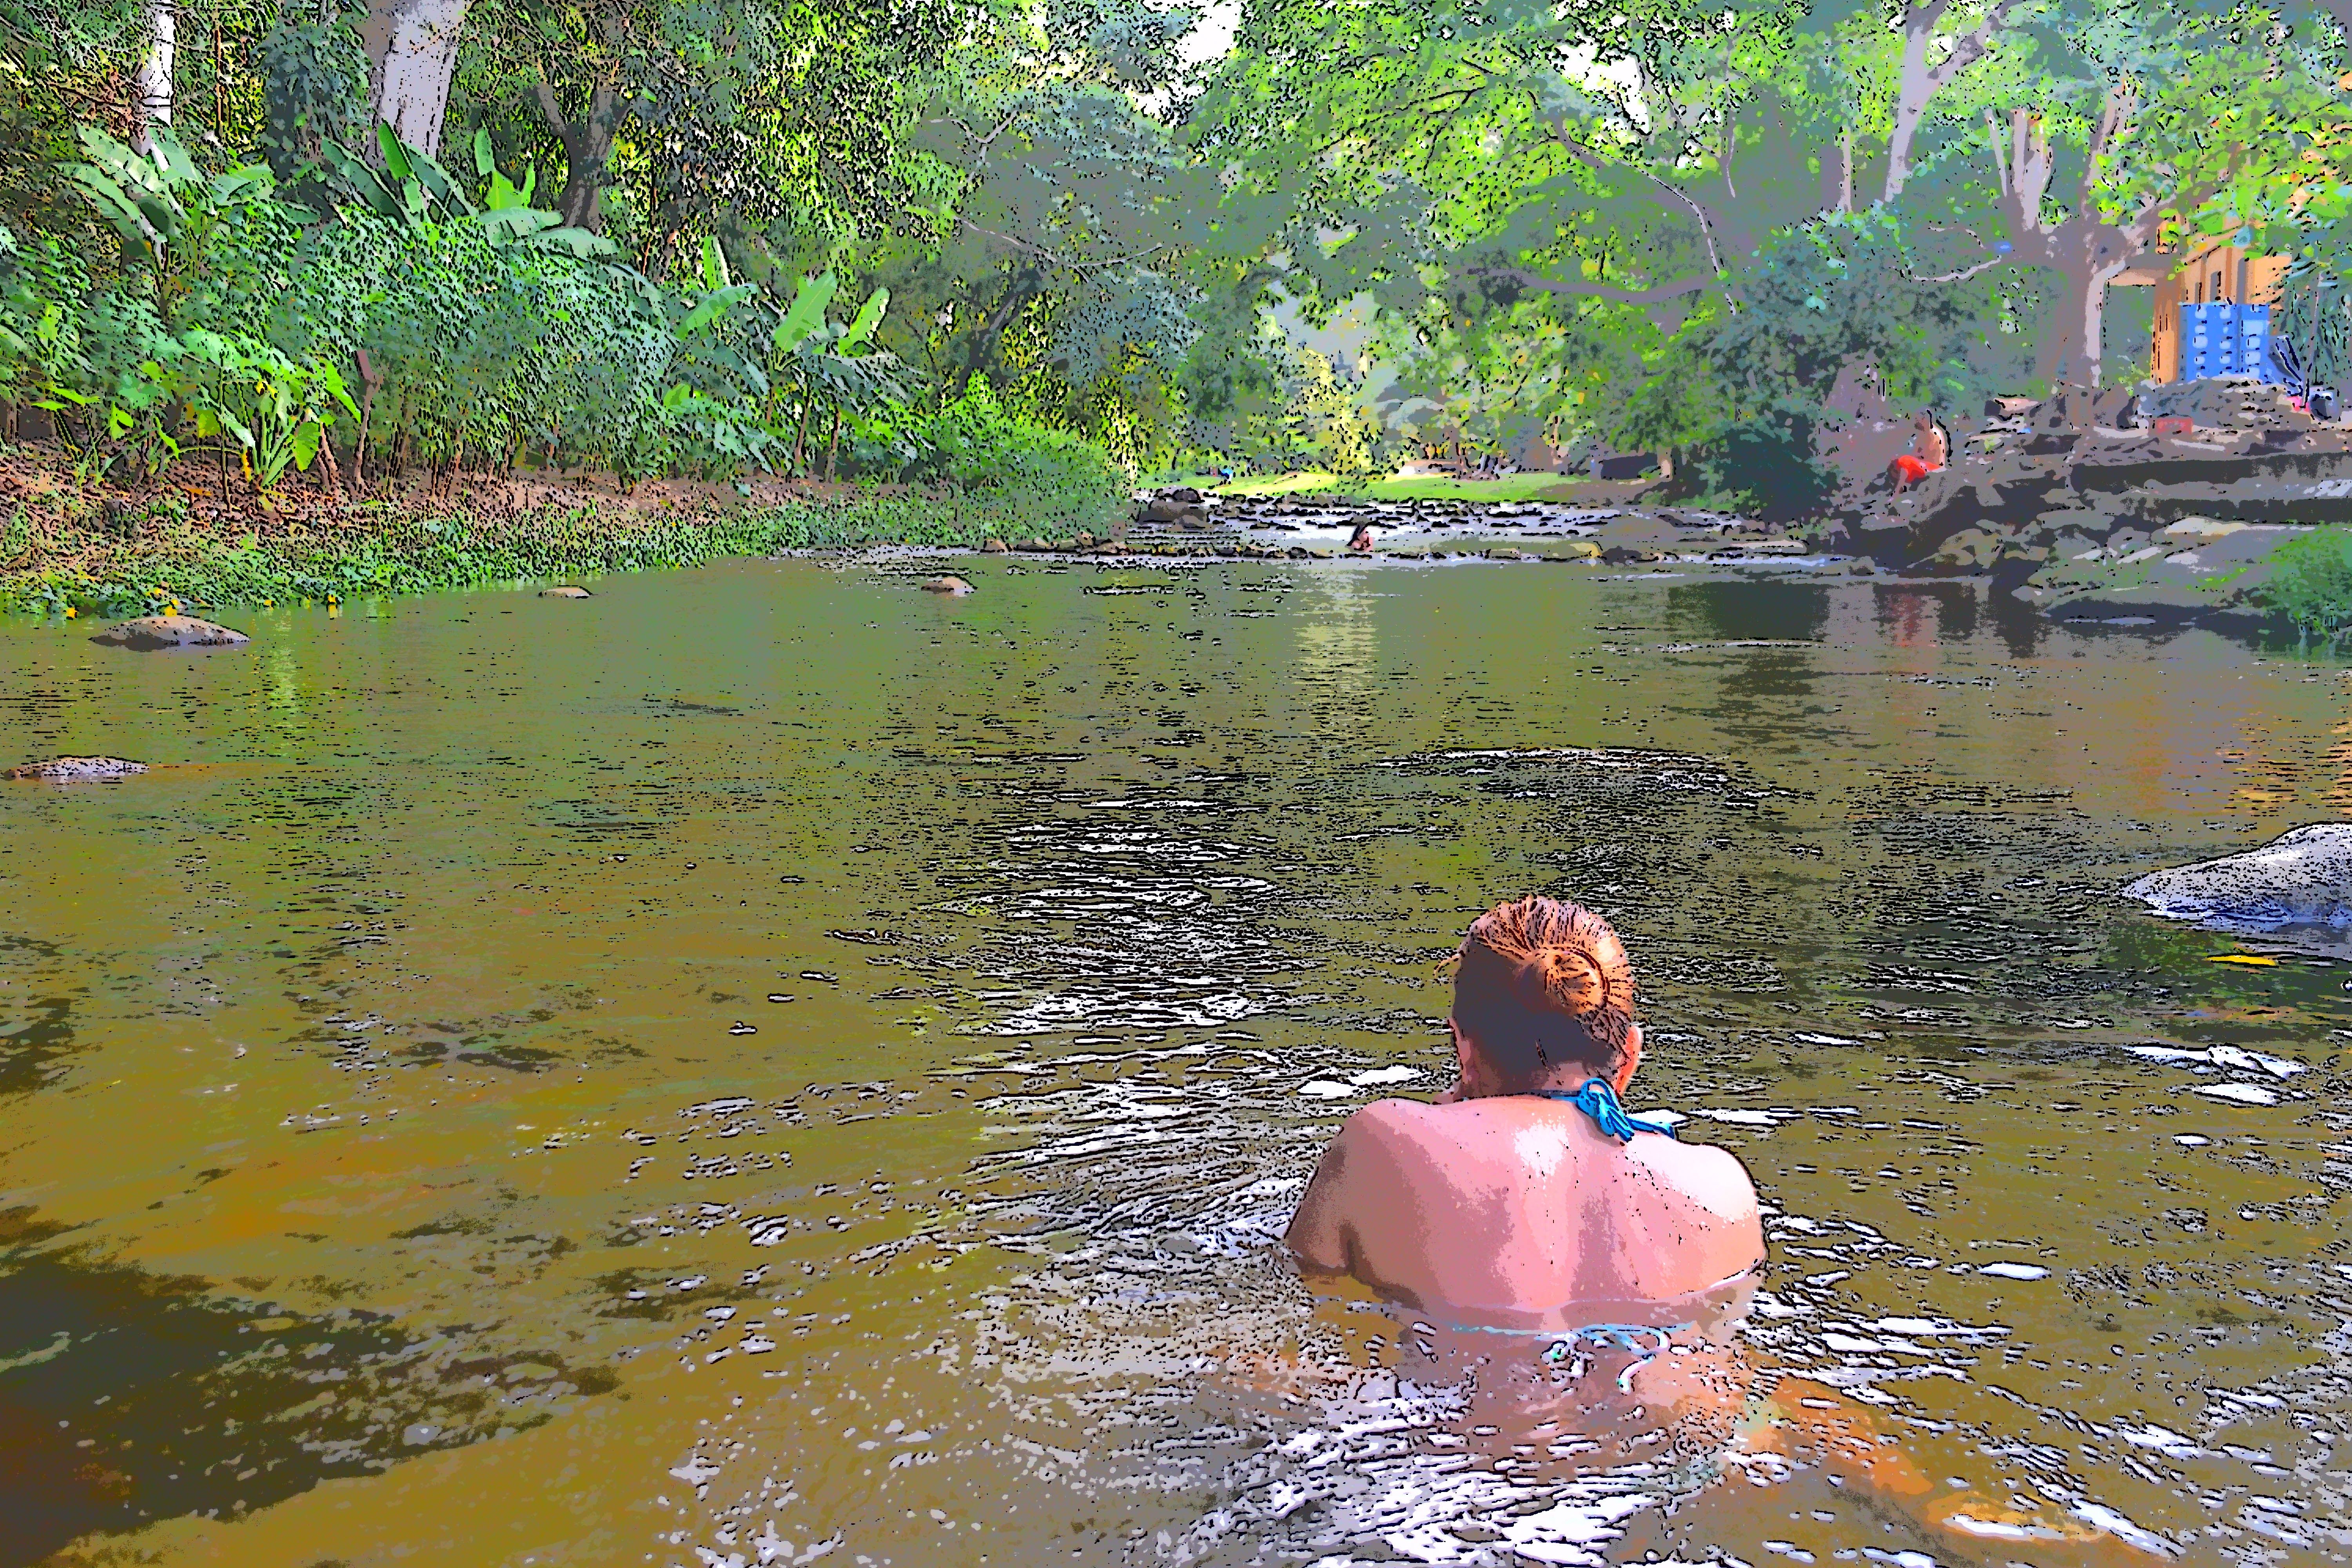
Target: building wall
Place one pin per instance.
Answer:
(2223, 273)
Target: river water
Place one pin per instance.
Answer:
(767, 1064)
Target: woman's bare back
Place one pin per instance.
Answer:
(1516, 1209)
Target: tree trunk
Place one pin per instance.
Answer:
(2085, 249)
(1837, 174)
(587, 150)
(1920, 82)
(152, 86)
(1913, 89)
(412, 47)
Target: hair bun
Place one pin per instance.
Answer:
(1572, 978)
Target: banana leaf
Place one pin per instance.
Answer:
(807, 312)
(868, 317)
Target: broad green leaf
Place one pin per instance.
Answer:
(714, 265)
(868, 317)
(170, 158)
(394, 151)
(713, 306)
(306, 443)
(807, 312)
(485, 163)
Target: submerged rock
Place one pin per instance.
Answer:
(2302, 877)
(947, 586)
(147, 633)
(994, 547)
(73, 770)
(565, 591)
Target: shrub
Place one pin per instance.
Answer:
(1015, 467)
(1764, 465)
(2311, 582)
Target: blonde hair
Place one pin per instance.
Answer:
(1542, 985)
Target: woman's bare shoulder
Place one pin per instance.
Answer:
(1708, 1174)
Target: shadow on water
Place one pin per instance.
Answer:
(127, 1397)
(1762, 612)
(36, 1030)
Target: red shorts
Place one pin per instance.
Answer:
(1912, 468)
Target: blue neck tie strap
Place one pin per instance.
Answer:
(1600, 1101)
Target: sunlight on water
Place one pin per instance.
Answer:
(767, 1067)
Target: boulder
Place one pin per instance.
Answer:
(992, 547)
(149, 634)
(1167, 512)
(75, 770)
(955, 585)
(565, 591)
(1185, 493)
(2302, 877)
(1505, 552)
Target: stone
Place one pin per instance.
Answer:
(1167, 512)
(1185, 493)
(1624, 554)
(565, 591)
(994, 547)
(1578, 549)
(76, 770)
(149, 634)
(1505, 552)
(2301, 877)
(955, 585)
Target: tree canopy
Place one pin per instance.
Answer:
(1635, 225)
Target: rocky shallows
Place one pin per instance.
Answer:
(2164, 506)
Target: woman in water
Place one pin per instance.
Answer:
(1527, 1190)
(1581, 1265)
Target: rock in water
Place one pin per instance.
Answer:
(74, 770)
(148, 633)
(947, 586)
(565, 591)
(994, 547)
(2302, 877)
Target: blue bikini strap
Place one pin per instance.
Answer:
(1600, 1101)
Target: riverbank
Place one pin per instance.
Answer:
(68, 548)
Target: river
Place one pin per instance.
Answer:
(767, 1064)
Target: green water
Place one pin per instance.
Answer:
(766, 1065)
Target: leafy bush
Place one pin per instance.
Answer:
(1013, 466)
(1764, 465)
(2311, 582)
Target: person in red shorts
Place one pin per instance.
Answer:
(1931, 449)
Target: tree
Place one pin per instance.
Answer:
(412, 47)
(2151, 117)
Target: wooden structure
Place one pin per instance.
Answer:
(2220, 274)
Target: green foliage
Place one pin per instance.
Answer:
(1013, 469)
(2311, 584)
(315, 85)
(2313, 314)
(166, 211)
(1764, 464)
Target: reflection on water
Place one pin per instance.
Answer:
(765, 1066)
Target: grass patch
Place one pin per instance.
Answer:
(52, 565)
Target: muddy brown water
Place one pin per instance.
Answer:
(767, 1066)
